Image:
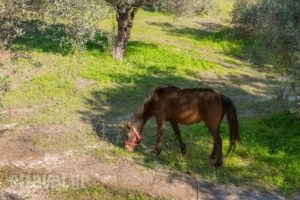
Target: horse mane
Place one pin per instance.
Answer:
(149, 98)
(145, 104)
(140, 114)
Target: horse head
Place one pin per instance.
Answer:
(134, 138)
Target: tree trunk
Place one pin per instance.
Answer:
(125, 22)
(122, 37)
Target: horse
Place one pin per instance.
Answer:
(185, 106)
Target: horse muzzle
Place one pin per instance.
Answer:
(130, 145)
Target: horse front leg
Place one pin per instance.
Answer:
(178, 137)
(160, 132)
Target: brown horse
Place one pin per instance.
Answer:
(185, 106)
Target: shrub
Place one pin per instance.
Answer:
(182, 7)
(78, 19)
(277, 24)
(277, 20)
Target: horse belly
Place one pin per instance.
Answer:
(189, 117)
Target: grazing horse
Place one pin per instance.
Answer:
(185, 106)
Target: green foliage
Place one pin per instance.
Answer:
(99, 192)
(123, 6)
(77, 19)
(182, 7)
(277, 20)
(11, 15)
(276, 25)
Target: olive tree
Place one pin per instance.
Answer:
(127, 9)
(77, 19)
(125, 13)
(277, 23)
(183, 7)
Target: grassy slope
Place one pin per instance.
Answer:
(161, 51)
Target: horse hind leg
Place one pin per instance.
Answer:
(213, 153)
(178, 137)
(217, 149)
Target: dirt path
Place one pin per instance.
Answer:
(18, 157)
(124, 173)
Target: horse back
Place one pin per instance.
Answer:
(188, 105)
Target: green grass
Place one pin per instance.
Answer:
(273, 148)
(160, 51)
(267, 160)
(99, 192)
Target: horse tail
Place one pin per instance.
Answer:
(233, 122)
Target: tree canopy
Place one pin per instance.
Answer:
(77, 19)
(276, 21)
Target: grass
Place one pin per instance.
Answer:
(160, 51)
(99, 192)
(268, 159)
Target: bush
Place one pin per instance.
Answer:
(277, 24)
(182, 7)
(277, 20)
(77, 17)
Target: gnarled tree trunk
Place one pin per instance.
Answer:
(125, 22)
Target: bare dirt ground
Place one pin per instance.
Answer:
(18, 155)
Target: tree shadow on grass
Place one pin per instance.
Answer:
(233, 44)
(42, 37)
(109, 109)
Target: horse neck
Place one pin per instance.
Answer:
(139, 121)
(138, 124)
(142, 115)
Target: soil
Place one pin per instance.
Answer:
(19, 157)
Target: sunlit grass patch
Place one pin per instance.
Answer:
(99, 192)
(267, 160)
(47, 94)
